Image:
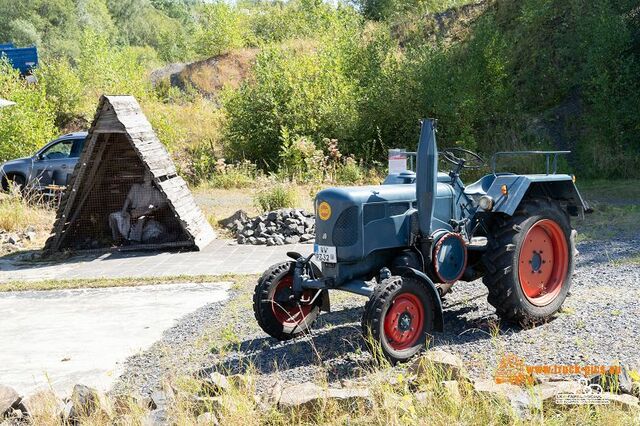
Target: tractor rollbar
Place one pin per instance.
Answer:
(547, 154)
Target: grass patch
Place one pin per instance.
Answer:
(117, 282)
(16, 214)
(616, 209)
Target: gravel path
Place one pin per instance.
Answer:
(598, 325)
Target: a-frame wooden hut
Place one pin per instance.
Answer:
(120, 150)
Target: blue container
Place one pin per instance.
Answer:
(23, 59)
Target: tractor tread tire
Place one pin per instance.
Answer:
(373, 319)
(502, 278)
(262, 307)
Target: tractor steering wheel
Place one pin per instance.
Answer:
(463, 158)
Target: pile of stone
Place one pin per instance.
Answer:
(13, 241)
(284, 226)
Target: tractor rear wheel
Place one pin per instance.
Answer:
(530, 262)
(398, 318)
(275, 308)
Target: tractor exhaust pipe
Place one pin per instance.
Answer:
(426, 175)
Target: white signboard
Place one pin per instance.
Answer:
(397, 161)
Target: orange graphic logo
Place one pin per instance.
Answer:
(512, 369)
(324, 210)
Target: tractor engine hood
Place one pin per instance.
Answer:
(360, 220)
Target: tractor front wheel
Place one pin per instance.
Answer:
(276, 309)
(398, 318)
(530, 262)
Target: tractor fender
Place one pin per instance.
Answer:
(405, 271)
(518, 187)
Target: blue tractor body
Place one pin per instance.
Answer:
(406, 242)
(369, 225)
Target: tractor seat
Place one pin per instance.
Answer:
(480, 187)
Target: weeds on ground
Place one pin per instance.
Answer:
(20, 210)
(276, 196)
(232, 176)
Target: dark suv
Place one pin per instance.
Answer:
(51, 165)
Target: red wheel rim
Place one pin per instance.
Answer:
(543, 262)
(404, 321)
(291, 313)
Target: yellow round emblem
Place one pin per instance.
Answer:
(324, 210)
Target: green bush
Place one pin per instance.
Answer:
(220, 28)
(105, 69)
(63, 89)
(350, 173)
(276, 196)
(29, 124)
(291, 91)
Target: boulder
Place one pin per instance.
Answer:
(85, 402)
(43, 404)
(215, 384)
(442, 363)
(157, 417)
(203, 404)
(350, 398)
(274, 393)
(520, 400)
(207, 418)
(292, 239)
(8, 398)
(614, 382)
(242, 382)
(160, 399)
(549, 390)
(624, 401)
(239, 215)
(260, 229)
(310, 395)
(13, 239)
(300, 395)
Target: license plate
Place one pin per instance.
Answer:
(325, 254)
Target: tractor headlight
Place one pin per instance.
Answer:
(485, 202)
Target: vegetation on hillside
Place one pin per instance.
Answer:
(497, 74)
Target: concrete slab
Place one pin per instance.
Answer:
(218, 258)
(64, 337)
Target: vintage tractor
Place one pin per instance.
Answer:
(405, 243)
